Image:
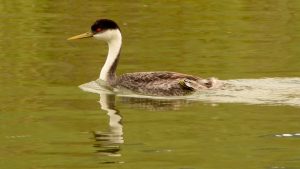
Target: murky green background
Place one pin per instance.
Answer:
(47, 122)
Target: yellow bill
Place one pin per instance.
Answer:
(81, 36)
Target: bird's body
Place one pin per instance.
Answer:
(160, 83)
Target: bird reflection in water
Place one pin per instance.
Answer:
(108, 143)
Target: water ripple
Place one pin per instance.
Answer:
(271, 91)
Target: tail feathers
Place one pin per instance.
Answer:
(186, 84)
(200, 84)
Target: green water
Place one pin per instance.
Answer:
(47, 122)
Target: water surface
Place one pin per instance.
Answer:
(46, 121)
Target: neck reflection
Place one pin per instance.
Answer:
(109, 143)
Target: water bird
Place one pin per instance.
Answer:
(159, 83)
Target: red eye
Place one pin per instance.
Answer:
(98, 29)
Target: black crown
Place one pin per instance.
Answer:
(104, 24)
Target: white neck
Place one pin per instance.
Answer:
(114, 41)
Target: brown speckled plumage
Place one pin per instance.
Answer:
(161, 83)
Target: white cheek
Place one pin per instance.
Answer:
(99, 36)
(108, 35)
(103, 35)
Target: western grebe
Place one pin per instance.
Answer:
(160, 83)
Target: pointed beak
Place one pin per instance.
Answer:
(81, 36)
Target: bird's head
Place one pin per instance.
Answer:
(102, 29)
